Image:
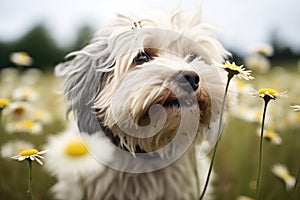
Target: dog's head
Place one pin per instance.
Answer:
(144, 79)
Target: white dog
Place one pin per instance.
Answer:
(149, 84)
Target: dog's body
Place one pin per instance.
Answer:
(149, 84)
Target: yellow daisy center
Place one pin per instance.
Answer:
(24, 54)
(270, 134)
(28, 152)
(28, 124)
(4, 102)
(76, 148)
(232, 65)
(267, 91)
(286, 175)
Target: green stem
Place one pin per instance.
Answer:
(261, 148)
(219, 134)
(30, 180)
(294, 189)
(1, 132)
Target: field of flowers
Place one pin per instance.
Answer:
(35, 111)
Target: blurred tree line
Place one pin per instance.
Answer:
(40, 45)
(47, 53)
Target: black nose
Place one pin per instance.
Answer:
(188, 78)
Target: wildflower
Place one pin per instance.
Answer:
(258, 63)
(268, 93)
(24, 126)
(30, 154)
(21, 58)
(233, 70)
(263, 49)
(18, 110)
(25, 94)
(244, 198)
(73, 155)
(239, 71)
(12, 148)
(41, 116)
(296, 108)
(282, 172)
(3, 103)
(29, 126)
(271, 135)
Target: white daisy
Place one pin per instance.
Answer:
(25, 94)
(18, 110)
(73, 154)
(32, 154)
(271, 135)
(268, 93)
(14, 147)
(258, 63)
(23, 126)
(263, 48)
(239, 71)
(21, 58)
(244, 198)
(296, 108)
(41, 116)
(282, 172)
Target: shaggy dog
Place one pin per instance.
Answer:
(150, 84)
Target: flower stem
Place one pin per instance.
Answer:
(294, 189)
(1, 145)
(30, 180)
(219, 134)
(261, 148)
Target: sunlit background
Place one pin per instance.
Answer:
(264, 35)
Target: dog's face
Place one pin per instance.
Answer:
(143, 82)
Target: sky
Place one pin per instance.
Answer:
(242, 23)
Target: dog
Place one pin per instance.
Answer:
(149, 83)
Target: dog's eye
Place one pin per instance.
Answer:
(191, 57)
(141, 58)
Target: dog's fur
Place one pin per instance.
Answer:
(111, 93)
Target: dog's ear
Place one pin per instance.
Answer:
(83, 75)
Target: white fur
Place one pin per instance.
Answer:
(102, 76)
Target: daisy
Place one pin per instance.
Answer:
(73, 154)
(239, 71)
(296, 108)
(24, 126)
(281, 171)
(14, 147)
(25, 94)
(3, 103)
(31, 127)
(42, 116)
(18, 110)
(30, 154)
(258, 63)
(244, 198)
(21, 58)
(271, 136)
(263, 48)
(268, 93)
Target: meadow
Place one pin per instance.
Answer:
(36, 96)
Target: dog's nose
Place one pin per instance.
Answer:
(186, 78)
